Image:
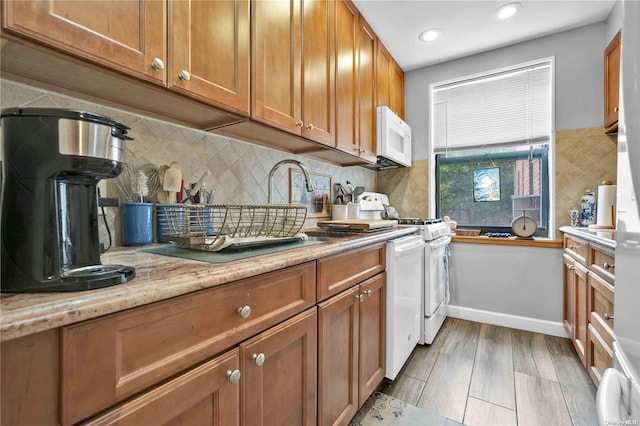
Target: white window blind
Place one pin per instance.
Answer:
(507, 107)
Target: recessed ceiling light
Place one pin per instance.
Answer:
(430, 35)
(508, 10)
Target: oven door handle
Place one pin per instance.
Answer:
(408, 247)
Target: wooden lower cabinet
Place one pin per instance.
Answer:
(205, 395)
(351, 355)
(580, 312)
(279, 374)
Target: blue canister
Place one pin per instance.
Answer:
(137, 224)
(588, 208)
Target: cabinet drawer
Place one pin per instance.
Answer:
(601, 355)
(111, 358)
(601, 299)
(603, 263)
(341, 271)
(577, 248)
(202, 396)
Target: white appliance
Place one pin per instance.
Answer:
(404, 308)
(393, 140)
(435, 297)
(618, 398)
(372, 204)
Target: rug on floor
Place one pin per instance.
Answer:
(383, 410)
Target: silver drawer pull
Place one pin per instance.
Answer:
(244, 311)
(360, 297)
(233, 376)
(299, 123)
(607, 266)
(573, 247)
(369, 293)
(258, 358)
(184, 75)
(157, 64)
(607, 317)
(571, 267)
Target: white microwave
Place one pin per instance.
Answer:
(394, 139)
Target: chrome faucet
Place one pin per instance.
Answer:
(305, 172)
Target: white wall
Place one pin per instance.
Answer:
(614, 21)
(579, 76)
(516, 281)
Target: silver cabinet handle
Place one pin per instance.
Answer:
(607, 266)
(607, 317)
(360, 297)
(258, 358)
(362, 150)
(369, 293)
(309, 126)
(571, 267)
(233, 376)
(615, 109)
(299, 123)
(157, 64)
(244, 311)
(184, 75)
(573, 247)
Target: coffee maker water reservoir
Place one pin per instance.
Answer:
(53, 160)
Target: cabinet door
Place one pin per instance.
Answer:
(372, 335)
(568, 302)
(383, 75)
(276, 61)
(318, 91)
(396, 91)
(347, 34)
(210, 51)
(580, 312)
(124, 35)
(600, 355)
(204, 396)
(611, 84)
(366, 91)
(279, 374)
(338, 336)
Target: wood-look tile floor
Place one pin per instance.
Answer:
(481, 374)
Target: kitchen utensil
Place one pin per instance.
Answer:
(357, 193)
(193, 191)
(172, 181)
(350, 187)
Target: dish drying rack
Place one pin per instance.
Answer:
(216, 226)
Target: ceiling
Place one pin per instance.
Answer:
(470, 27)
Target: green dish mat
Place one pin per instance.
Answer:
(224, 256)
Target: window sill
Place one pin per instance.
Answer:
(538, 242)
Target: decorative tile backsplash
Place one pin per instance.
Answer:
(239, 170)
(407, 188)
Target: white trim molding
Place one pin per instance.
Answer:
(507, 320)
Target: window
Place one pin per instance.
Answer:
(491, 139)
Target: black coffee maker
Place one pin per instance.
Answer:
(53, 160)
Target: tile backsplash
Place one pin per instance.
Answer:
(239, 170)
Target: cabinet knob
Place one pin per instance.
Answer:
(184, 75)
(607, 266)
(244, 311)
(360, 297)
(362, 150)
(309, 126)
(258, 358)
(607, 317)
(615, 109)
(299, 123)
(571, 267)
(233, 376)
(369, 293)
(573, 247)
(157, 64)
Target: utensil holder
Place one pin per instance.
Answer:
(137, 224)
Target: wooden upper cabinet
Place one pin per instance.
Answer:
(366, 91)
(346, 77)
(294, 81)
(318, 90)
(612, 84)
(126, 36)
(383, 75)
(396, 92)
(209, 51)
(390, 81)
(277, 63)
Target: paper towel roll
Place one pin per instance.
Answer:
(606, 206)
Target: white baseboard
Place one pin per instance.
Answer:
(507, 320)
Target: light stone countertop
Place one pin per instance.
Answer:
(603, 237)
(157, 278)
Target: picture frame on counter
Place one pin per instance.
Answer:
(317, 202)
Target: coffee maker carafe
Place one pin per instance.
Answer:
(52, 162)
